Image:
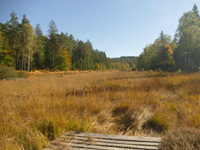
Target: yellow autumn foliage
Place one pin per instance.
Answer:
(169, 49)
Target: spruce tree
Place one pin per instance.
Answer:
(39, 56)
(53, 42)
(195, 10)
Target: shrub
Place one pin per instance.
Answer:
(181, 139)
(179, 70)
(6, 72)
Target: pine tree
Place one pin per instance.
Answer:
(25, 20)
(89, 58)
(195, 10)
(39, 56)
(53, 42)
(13, 33)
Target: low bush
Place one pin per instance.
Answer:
(181, 139)
(6, 72)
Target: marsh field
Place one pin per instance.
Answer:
(38, 109)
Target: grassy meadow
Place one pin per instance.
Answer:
(36, 110)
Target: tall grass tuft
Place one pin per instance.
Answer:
(49, 129)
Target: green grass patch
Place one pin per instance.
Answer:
(49, 129)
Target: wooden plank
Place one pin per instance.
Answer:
(114, 141)
(115, 145)
(73, 145)
(77, 148)
(73, 148)
(93, 141)
(117, 137)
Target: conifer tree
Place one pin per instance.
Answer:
(53, 42)
(13, 33)
(195, 10)
(39, 56)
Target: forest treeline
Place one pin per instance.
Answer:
(25, 48)
(124, 63)
(182, 53)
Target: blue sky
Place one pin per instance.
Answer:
(118, 27)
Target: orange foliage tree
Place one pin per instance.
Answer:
(167, 60)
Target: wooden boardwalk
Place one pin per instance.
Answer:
(92, 141)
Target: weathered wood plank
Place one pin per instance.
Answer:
(114, 141)
(96, 147)
(93, 141)
(118, 137)
(72, 148)
(91, 144)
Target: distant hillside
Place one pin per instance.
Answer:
(125, 59)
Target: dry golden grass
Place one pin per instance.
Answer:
(181, 139)
(44, 106)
